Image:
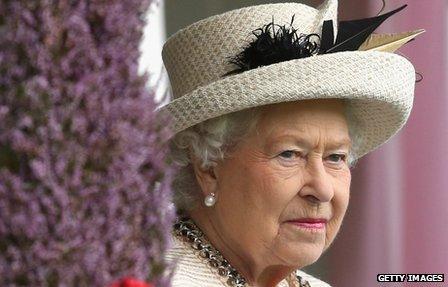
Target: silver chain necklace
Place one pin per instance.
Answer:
(187, 230)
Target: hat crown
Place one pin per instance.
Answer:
(199, 54)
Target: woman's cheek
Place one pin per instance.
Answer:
(268, 194)
(332, 229)
(335, 223)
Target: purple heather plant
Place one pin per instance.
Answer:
(84, 186)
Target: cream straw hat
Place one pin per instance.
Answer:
(377, 85)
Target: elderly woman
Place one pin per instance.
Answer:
(266, 130)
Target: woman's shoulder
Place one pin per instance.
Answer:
(314, 281)
(191, 270)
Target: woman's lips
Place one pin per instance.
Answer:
(309, 223)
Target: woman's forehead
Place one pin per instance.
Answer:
(307, 105)
(305, 122)
(308, 141)
(304, 115)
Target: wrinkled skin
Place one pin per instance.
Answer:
(292, 165)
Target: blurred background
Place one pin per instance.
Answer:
(397, 220)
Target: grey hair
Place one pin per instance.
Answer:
(209, 141)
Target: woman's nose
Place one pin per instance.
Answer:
(317, 185)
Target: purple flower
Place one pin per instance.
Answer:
(84, 187)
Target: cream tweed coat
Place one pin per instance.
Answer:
(192, 270)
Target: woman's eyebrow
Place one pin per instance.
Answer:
(346, 142)
(300, 141)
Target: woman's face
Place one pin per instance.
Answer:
(293, 165)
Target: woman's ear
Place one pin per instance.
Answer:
(205, 177)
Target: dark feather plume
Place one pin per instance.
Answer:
(327, 40)
(351, 34)
(273, 44)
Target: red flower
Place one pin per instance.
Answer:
(130, 282)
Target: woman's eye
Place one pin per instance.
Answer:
(288, 154)
(337, 158)
(334, 158)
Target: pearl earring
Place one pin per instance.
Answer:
(210, 200)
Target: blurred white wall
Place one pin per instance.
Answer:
(151, 48)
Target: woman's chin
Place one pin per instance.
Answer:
(301, 254)
(307, 256)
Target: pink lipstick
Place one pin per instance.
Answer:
(309, 223)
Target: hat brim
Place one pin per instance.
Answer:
(378, 87)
